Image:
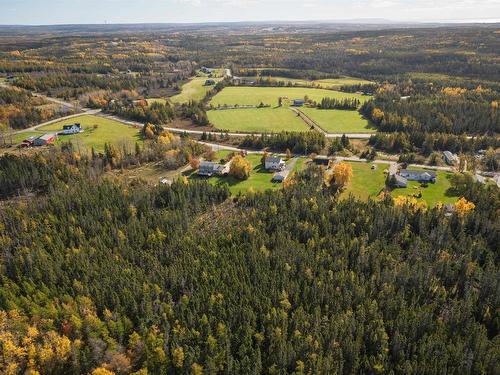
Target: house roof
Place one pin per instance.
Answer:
(400, 179)
(417, 172)
(273, 159)
(449, 155)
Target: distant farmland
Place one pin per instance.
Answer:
(243, 95)
(339, 121)
(258, 120)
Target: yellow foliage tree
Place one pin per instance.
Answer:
(240, 167)
(410, 202)
(178, 357)
(340, 177)
(377, 115)
(463, 207)
(196, 369)
(102, 371)
(453, 91)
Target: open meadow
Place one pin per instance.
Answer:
(339, 121)
(96, 132)
(257, 120)
(195, 89)
(327, 83)
(244, 95)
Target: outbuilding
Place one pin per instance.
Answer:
(46, 139)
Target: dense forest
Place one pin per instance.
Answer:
(185, 279)
(19, 109)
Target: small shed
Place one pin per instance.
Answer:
(298, 102)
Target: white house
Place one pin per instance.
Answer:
(71, 129)
(209, 168)
(273, 163)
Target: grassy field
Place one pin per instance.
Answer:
(244, 95)
(339, 121)
(257, 120)
(106, 131)
(332, 83)
(366, 182)
(195, 89)
(431, 194)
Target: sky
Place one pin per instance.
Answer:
(48, 12)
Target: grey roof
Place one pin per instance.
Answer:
(400, 179)
(281, 176)
(273, 159)
(415, 172)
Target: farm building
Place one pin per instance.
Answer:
(209, 82)
(417, 175)
(71, 129)
(298, 102)
(450, 158)
(206, 70)
(46, 139)
(209, 168)
(321, 160)
(273, 163)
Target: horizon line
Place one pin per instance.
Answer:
(367, 20)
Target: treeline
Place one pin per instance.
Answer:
(156, 113)
(350, 104)
(99, 275)
(20, 110)
(75, 80)
(368, 88)
(453, 112)
(297, 142)
(426, 143)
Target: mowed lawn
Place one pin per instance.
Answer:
(195, 89)
(366, 182)
(431, 194)
(257, 120)
(243, 95)
(339, 121)
(96, 132)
